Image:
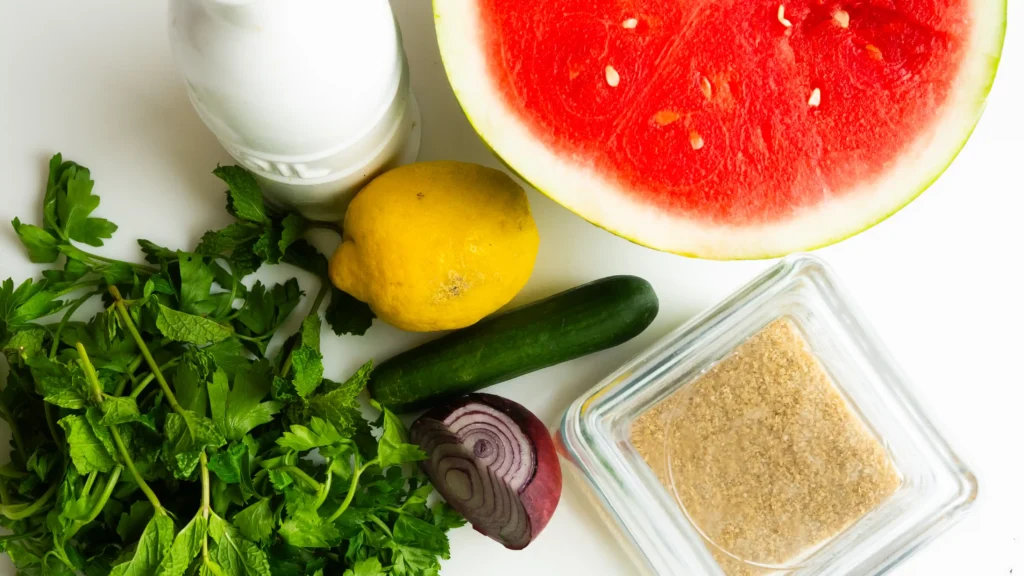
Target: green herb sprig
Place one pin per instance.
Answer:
(163, 436)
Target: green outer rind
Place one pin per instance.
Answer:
(567, 325)
(982, 96)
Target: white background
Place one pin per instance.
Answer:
(941, 280)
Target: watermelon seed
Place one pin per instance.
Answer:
(630, 23)
(873, 51)
(696, 142)
(782, 16)
(705, 87)
(611, 76)
(665, 117)
(815, 98)
(842, 18)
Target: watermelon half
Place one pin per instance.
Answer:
(724, 128)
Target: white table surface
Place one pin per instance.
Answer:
(941, 280)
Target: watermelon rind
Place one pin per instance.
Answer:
(601, 201)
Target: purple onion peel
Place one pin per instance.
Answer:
(494, 462)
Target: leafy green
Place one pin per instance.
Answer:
(256, 522)
(239, 409)
(189, 328)
(183, 397)
(88, 452)
(184, 549)
(153, 545)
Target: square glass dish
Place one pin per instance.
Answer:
(773, 434)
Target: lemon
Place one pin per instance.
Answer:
(436, 245)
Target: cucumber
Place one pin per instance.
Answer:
(580, 321)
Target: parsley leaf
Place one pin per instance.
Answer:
(40, 244)
(393, 448)
(239, 409)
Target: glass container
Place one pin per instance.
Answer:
(935, 486)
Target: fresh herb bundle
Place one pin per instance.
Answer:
(161, 437)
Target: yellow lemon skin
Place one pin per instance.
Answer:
(436, 245)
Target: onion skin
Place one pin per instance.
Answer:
(538, 495)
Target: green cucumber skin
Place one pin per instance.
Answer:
(570, 324)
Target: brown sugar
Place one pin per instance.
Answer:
(764, 454)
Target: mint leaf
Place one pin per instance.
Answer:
(153, 545)
(236, 555)
(307, 362)
(240, 408)
(131, 524)
(88, 453)
(256, 522)
(237, 236)
(183, 327)
(185, 548)
(267, 247)
(346, 315)
(293, 227)
(40, 244)
(59, 384)
(123, 410)
(245, 200)
(25, 344)
(302, 254)
(340, 405)
(187, 436)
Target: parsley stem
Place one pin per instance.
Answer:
(98, 504)
(325, 289)
(149, 378)
(204, 475)
(158, 509)
(97, 392)
(6, 472)
(90, 374)
(129, 374)
(48, 414)
(67, 318)
(5, 496)
(89, 482)
(325, 489)
(138, 267)
(373, 518)
(308, 480)
(153, 366)
(356, 473)
(22, 511)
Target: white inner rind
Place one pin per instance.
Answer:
(580, 188)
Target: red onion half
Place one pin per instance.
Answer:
(495, 463)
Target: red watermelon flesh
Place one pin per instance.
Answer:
(731, 114)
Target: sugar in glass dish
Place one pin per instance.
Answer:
(773, 434)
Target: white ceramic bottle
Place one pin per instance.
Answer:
(313, 96)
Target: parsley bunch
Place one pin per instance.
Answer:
(165, 436)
